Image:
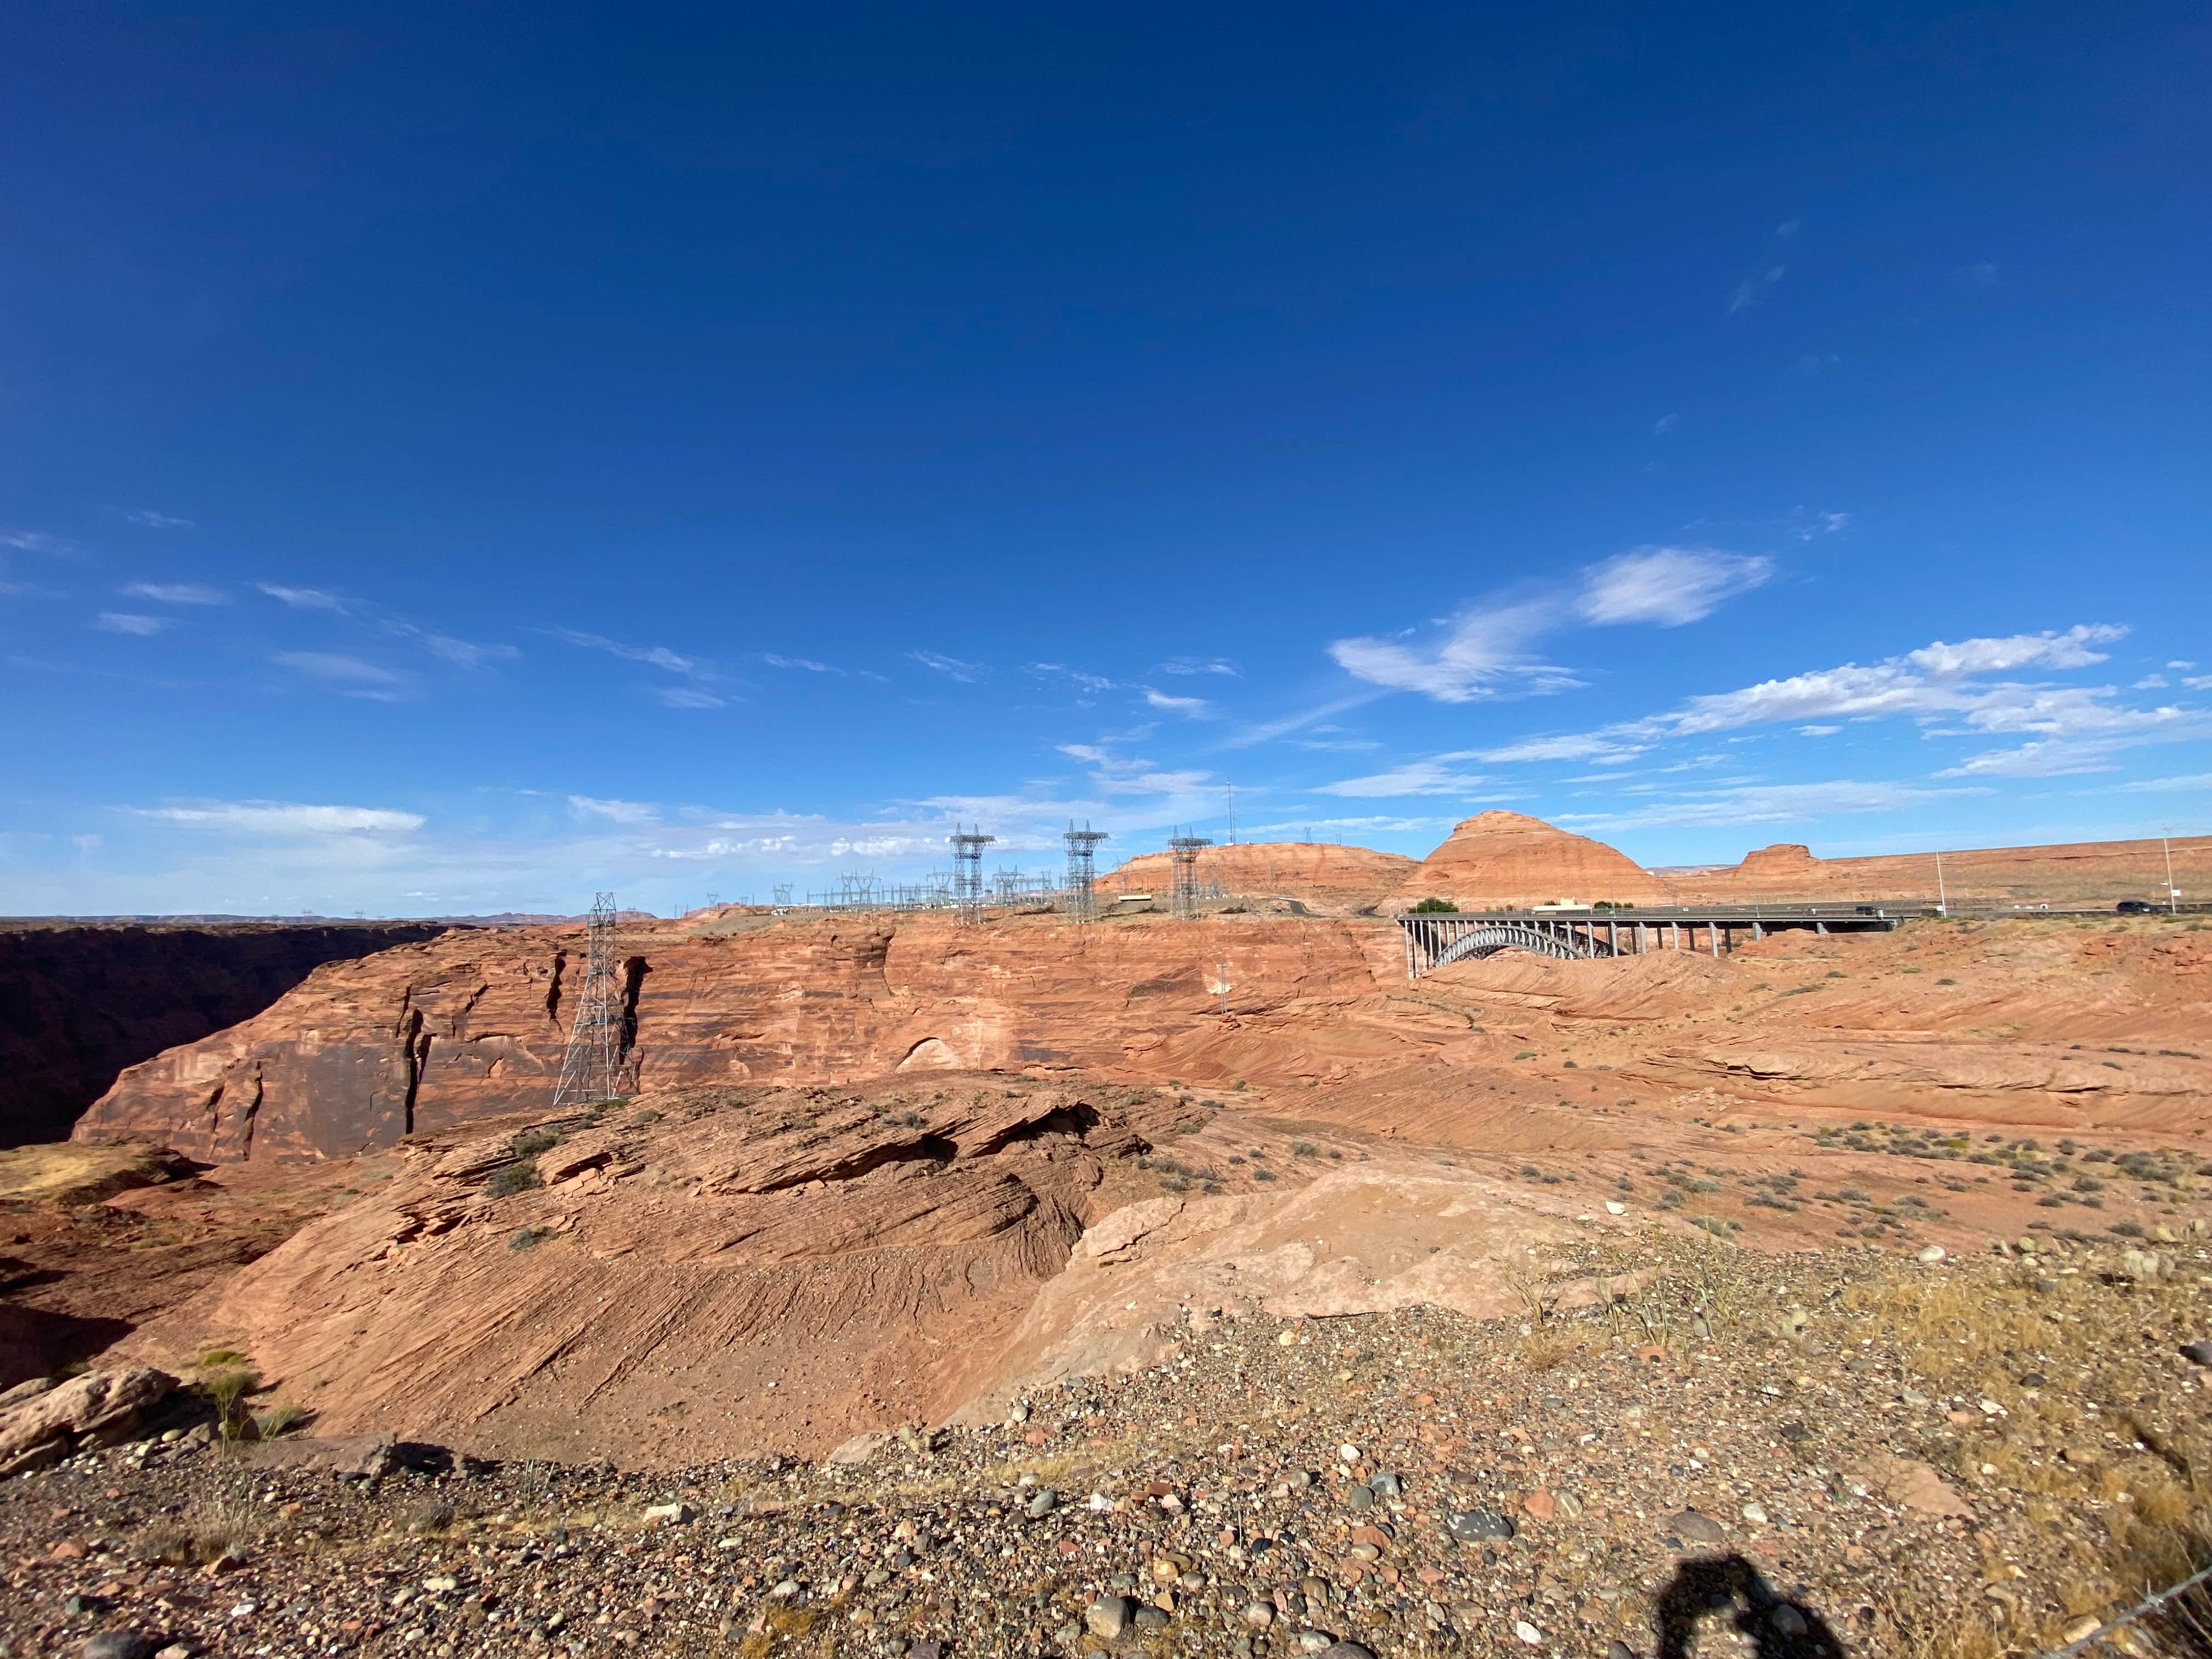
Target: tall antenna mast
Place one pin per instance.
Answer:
(587, 1070)
(1232, 815)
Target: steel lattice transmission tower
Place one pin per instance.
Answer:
(1183, 897)
(1082, 900)
(587, 1070)
(968, 847)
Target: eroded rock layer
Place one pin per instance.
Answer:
(715, 1268)
(84, 1002)
(430, 1035)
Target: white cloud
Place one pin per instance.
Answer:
(1482, 652)
(462, 653)
(337, 667)
(1764, 802)
(287, 817)
(656, 656)
(1189, 708)
(614, 811)
(1605, 750)
(2160, 786)
(123, 622)
(952, 667)
(151, 520)
(302, 599)
(807, 663)
(2151, 683)
(1426, 777)
(1818, 730)
(1200, 665)
(1936, 683)
(1667, 585)
(1752, 289)
(1666, 424)
(1116, 775)
(176, 592)
(2069, 649)
(2180, 666)
(686, 696)
(36, 541)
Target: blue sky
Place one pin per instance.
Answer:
(449, 464)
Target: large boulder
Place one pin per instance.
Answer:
(42, 1427)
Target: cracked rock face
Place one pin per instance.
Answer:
(427, 1037)
(701, 1271)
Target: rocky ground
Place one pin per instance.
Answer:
(1956, 1457)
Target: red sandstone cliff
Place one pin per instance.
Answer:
(430, 1035)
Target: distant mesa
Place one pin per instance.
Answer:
(1496, 859)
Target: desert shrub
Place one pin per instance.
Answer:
(531, 1142)
(1305, 1149)
(279, 1419)
(430, 1514)
(528, 1237)
(1263, 1175)
(226, 1387)
(512, 1178)
(1435, 906)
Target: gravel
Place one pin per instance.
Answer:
(1551, 1482)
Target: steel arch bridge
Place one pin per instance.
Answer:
(1432, 942)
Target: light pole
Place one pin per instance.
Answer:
(2172, 897)
(1942, 899)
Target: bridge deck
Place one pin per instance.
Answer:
(1435, 938)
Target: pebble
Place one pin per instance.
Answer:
(1348, 1452)
(669, 1514)
(1478, 1526)
(1108, 1617)
(1930, 1254)
(117, 1644)
(1787, 1620)
(1043, 1503)
(1755, 1513)
(1260, 1614)
(1618, 1650)
(1528, 1632)
(1696, 1528)
(2198, 1353)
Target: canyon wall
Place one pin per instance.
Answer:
(433, 1034)
(79, 1003)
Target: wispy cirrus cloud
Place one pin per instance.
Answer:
(354, 676)
(967, 673)
(614, 811)
(1763, 803)
(807, 664)
(1668, 586)
(1200, 665)
(127, 621)
(175, 593)
(1490, 648)
(1197, 709)
(303, 599)
(705, 687)
(146, 519)
(1770, 271)
(38, 541)
(285, 818)
(1434, 776)
(1485, 651)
